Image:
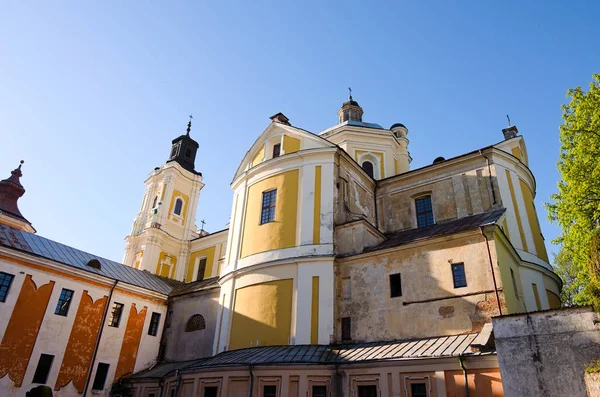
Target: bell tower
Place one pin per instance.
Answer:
(159, 241)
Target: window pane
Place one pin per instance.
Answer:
(43, 368)
(319, 391)
(268, 206)
(367, 391)
(346, 328)
(5, 282)
(64, 301)
(276, 150)
(115, 315)
(458, 274)
(211, 391)
(418, 390)
(201, 269)
(424, 212)
(178, 206)
(395, 285)
(100, 378)
(270, 391)
(154, 321)
(368, 167)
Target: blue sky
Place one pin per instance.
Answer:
(93, 92)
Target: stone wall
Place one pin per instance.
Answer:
(546, 353)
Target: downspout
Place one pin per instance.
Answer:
(177, 382)
(487, 244)
(251, 380)
(160, 387)
(91, 367)
(462, 366)
(338, 381)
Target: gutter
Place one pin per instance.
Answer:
(91, 367)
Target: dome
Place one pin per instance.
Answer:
(398, 125)
(438, 160)
(350, 102)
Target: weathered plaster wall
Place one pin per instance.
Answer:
(355, 194)
(428, 306)
(181, 345)
(545, 353)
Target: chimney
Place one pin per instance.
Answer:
(280, 118)
(510, 132)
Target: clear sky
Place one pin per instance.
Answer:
(92, 92)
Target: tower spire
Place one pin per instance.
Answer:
(350, 110)
(10, 192)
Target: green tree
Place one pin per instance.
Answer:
(576, 206)
(568, 272)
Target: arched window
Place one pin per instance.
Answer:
(178, 206)
(154, 202)
(195, 323)
(368, 167)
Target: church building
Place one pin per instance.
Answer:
(343, 272)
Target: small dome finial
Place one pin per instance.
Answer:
(20, 164)
(189, 125)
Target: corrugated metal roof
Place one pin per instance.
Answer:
(43, 247)
(440, 229)
(195, 286)
(437, 347)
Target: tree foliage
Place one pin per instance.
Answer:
(576, 206)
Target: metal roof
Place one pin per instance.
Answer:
(195, 286)
(355, 353)
(440, 229)
(45, 248)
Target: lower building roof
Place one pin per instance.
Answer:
(352, 353)
(42, 247)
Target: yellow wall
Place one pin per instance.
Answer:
(290, 145)
(164, 270)
(209, 253)
(317, 207)
(516, 207)
(553, 299)
(314, 312)
(517, 152)
(185, 198)
(358, 153)
(506, 261)
(262, 312)
(273, 235)
(538, 240)
(258, 157)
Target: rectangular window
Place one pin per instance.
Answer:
(201, 269)
(115, 315)
(418, 390)
(154, 321)
(346, 329)
(367, 391)
(5, 282)
(100, 378)
(211, 391)
(43, 368)
(424, 211)
(268, 206)
(62, 307)
(319, 391)
(269, 391)
(395, 285)
(458, 274)
(276, 150)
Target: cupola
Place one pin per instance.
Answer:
(183, 150)
(350, 110)
(10, 192)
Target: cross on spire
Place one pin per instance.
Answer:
(189, 126)
(202, 222)
(350, 91)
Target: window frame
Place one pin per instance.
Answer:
(60, 309)
(395, 290)
(37, 375)
(96, 379)
(271, 206)
(425, 212)
(111, 321)
(154, 324)
(201, 321)
(458, 265)
(4, 286)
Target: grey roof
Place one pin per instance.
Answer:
(439, 229)
(363, 124)
(42, 247)
(195, 286)
(414, 349)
